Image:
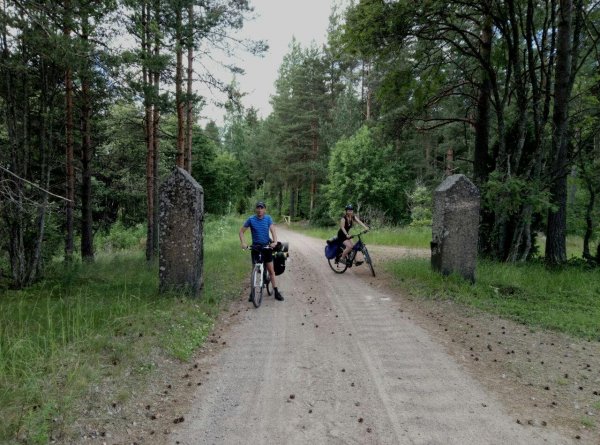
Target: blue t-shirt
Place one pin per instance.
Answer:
(259, 228)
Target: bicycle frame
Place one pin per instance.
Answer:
(339, 266)
(261, 267)
(358, 245)
(258, 278)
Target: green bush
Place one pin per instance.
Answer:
(120, 237)
(366, 174)
(419, 203)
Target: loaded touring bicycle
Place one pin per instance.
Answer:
(335, 248)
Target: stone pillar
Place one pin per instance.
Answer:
(455, 227)
(181, 255)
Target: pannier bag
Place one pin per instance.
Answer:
(280, 254)
(331, 248)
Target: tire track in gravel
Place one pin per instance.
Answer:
(339, 362)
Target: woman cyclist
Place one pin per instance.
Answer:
(346, 223)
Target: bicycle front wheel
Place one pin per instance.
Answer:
(368, 259)
(256, 288)
(337, 265)
(267, 281)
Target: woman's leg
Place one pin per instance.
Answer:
(347, 248)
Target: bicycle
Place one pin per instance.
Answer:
(259, 279)
(339, 266)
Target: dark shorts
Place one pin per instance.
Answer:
(341, 237)
(267, 255)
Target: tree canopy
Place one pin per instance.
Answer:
(402, 94)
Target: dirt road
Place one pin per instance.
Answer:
(340, 362)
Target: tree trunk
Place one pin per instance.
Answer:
(556, 250)
(425, 137)
(481, 156)
(21, 218)
(368, 91)
(280, 200)
(482, 125)
(147, 77)
(517, 61)
(521, 236)
(155, 128)
(528, 243)
(35, 261)
(315, 156)
(23, 213)
(292, 203)
(69, 170)
(155, 175)
(34, 269)
(11, 208)
(515, 229)
(87, 240)
(365, 90)
(180, 159)
(189, 122)
(589, 223)
(15, 213)
(449, 161)
(538, 101)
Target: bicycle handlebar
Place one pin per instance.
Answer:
(360, 233)
(257, 248)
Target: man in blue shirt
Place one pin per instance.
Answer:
(260, 226)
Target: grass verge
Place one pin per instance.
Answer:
(87, 323)
(414, 237)
(565, 300)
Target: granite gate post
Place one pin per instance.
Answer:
(455, 227)
(181, 217)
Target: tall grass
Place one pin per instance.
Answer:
(415, 237)
(566, 300)
(88, 322)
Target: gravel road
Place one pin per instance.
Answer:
(340, 362)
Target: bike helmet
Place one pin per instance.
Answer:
(349, 207)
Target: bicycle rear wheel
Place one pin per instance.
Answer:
(368, 259)
(337, 265)
(256, 288)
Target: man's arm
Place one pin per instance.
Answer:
(242, 237)
(273, 234)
